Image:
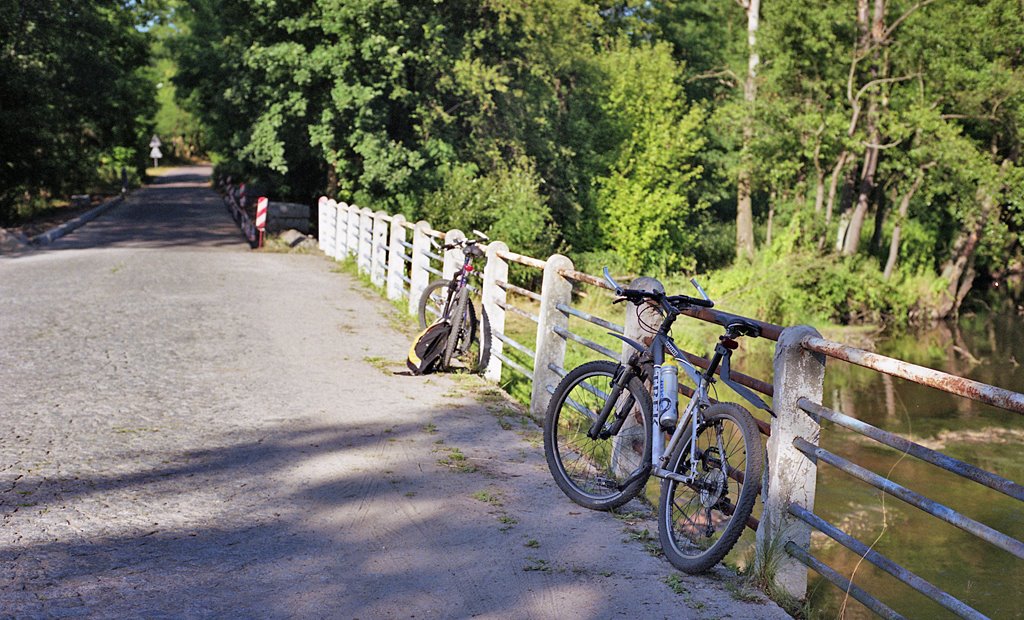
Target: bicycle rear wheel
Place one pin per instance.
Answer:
(601, 473)
(471, 348)
(699, 522)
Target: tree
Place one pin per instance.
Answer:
(72, 89)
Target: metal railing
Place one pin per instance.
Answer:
(404, 267)
(803, 453)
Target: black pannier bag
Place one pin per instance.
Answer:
(428, 347)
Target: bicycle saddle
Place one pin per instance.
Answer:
(743, 327)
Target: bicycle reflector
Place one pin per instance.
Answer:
(730, 344)
(469, 267)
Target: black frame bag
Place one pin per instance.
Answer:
(428, 347)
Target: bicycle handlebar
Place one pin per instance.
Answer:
(461, 243)
(637, 295)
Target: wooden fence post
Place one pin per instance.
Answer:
(379, 248)
(451, 260)
(396, 264)
(419, 277)
(494, 299)
(555, 289)
(791, 478)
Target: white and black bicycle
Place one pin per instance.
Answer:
(605, 435)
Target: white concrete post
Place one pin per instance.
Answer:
(396, 265)
(452, 259)
(329, 228)
(632, 328)
(351, 230)
(495, 270)
(554, 290)
(791, 476)
(321, 222)
(379, 249)
(419, 277)
(341, 232)
(365, 246)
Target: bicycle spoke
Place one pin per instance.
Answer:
(703, 519)
(591, 471)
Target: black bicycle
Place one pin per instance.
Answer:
(469, 343)
(605, 435)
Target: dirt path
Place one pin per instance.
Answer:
(193, 429)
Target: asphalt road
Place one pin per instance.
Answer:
(191, 429)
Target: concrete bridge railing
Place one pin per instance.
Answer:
(401, 257)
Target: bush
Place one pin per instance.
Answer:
(506, 204)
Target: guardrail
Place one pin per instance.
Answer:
(381, 247)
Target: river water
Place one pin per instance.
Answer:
(987, 349)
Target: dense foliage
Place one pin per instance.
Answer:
(862, 156)
(74, 96)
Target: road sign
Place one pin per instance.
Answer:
(261, 212)
(261, 216)
(154, 142)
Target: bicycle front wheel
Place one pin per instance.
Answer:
(601, 473)
(431, 303)
(699, 522)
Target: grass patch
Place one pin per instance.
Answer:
(488, 497)
(675, 583)
(455, 459)
(380, 363)
(507, 522)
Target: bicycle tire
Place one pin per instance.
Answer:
(591, 472)
(463, 322)
(484, 340)
(431, 303)
(698, 524)
(474, 355)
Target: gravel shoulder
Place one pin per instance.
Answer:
(192, 429)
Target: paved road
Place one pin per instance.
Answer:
(190, 429)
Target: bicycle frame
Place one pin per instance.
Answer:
(691, 417)
(459, 282)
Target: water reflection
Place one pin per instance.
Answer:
(985, 349)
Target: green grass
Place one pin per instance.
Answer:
(455, 459)
(488, 497)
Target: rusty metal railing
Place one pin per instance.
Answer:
(951, 384)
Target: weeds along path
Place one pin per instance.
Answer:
(193, 429)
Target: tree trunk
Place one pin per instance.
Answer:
(833, 187)
(872, 35)
(332, 181)
(744, 177)
(880, 210)
(894, 243)
(851, 241)
(958, 271)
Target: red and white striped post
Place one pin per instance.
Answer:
(261, 216)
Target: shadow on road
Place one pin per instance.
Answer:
(276, 563)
